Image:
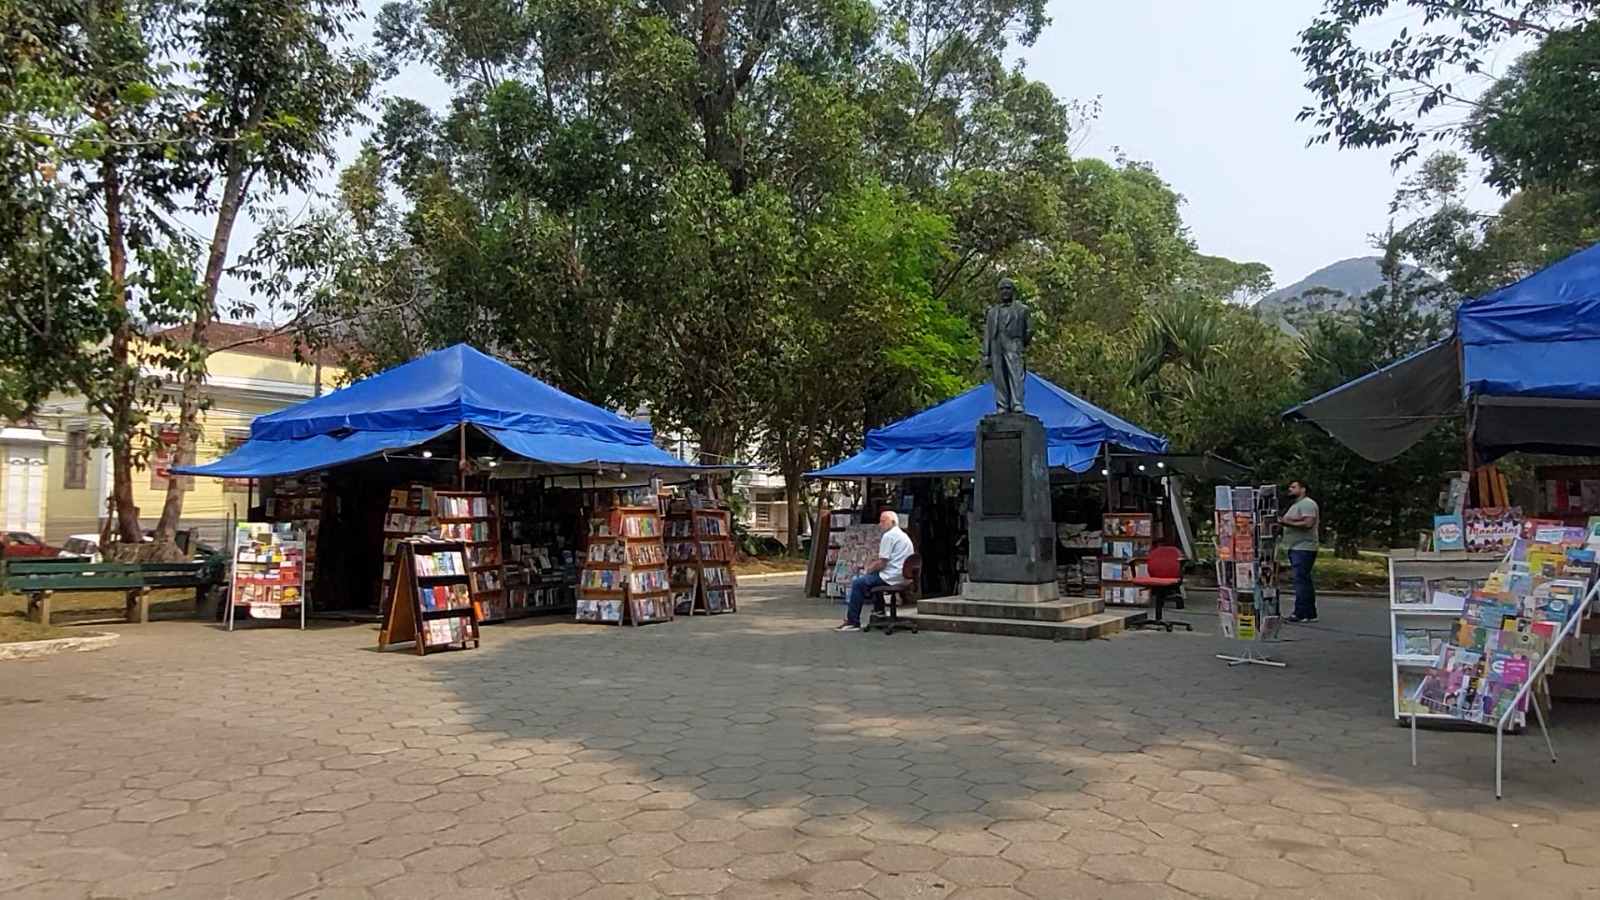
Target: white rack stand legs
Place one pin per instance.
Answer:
(1251, 657)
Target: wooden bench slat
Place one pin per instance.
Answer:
(24, 576)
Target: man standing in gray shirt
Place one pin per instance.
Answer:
(1300, 539)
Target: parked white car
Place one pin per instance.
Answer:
(81, 546)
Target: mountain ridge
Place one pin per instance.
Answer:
(1352, 277)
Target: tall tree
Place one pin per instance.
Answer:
(274, 88)
(96, 131)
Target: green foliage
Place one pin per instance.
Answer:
(1397, 95)
(1540, 124)
(120, 118)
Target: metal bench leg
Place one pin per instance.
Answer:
(39, 607)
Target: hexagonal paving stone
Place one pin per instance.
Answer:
(974, 871)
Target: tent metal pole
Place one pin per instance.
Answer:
(1466, 412)
(461, 467)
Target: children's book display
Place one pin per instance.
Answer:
(625, 570)
(474, 519)
(410, 514)
(1125, 540)
(1505, 626)
(1427, 593)
(1507, 636)
(268, 571)
(434, 604)
(301, 502)
(1248, 604)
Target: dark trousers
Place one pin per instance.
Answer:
(858, 596)
(1305, 593)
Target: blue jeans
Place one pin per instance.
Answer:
(858, 596)
(1305, 593)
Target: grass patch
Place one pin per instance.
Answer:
(769, 565)
(89, 605)
(15, 627)
(1367, 572)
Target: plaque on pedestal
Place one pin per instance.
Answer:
(1011, 532)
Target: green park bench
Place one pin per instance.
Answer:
(38, 579)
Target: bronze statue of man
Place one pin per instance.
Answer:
(1007, 332)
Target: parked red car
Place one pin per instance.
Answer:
(22, 544)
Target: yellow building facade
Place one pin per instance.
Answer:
(254, 373)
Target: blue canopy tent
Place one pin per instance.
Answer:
(429, 397)
(942, 440)
(1522, 365)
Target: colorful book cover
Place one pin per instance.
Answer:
(1410, 590)
(1449, 533)
(1414, 642)
(1246, 629)
(1244, 575)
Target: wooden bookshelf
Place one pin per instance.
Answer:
(409, 515)
(473, 518)
(432, 606)
(683, 566)
(302, 502)
(713, 540)
(1125, 541)
(624, 579)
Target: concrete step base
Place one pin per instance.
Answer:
(1053, 611)
(1082, 628)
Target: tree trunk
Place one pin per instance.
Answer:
(123, 520)
(794, 495)
(194, 372)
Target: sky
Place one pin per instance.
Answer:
(1207, 92)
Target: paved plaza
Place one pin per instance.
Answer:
(760, 755)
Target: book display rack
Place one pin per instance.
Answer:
(1507, 635)
(433, 605)
(820, 562)
(1077, 561)
(540, 531)
(683, 565)
(1248, 607)
(1427, 593)
(699, 560)
(1125, 540)
(851, 547)
(410, 514)
(473, 519)
(268, 571)
(713, 543)
(301, 502)
(625, 570)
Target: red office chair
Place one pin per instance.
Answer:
(1164, 578)
(890, 620)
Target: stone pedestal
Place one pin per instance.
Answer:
(1011, 535)
(1006, 592)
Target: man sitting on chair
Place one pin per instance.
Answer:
(894, 548)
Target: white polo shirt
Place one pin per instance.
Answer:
(894, 546)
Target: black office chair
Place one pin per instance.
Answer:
(889, 596)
